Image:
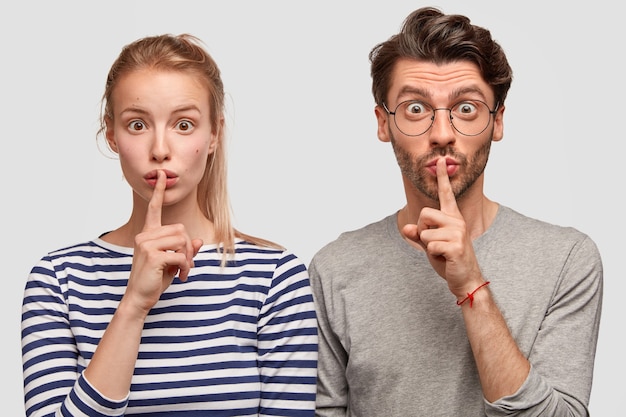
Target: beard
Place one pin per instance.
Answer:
(413, 167)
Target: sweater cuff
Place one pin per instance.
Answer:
(89, 400)
(533, 391)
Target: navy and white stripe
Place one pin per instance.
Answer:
(238, 340)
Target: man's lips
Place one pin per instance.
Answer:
(452, 166)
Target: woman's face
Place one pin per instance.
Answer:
(161, 121)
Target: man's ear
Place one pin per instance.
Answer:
(383, 124)
(498, 125)
(110, 134)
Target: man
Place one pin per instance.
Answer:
(512, 327)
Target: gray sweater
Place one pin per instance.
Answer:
(393, 341)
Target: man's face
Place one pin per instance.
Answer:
(439, 87)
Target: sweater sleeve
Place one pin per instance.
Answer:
(332, 386)
(53, 382)
(562, 356)
(288, 343)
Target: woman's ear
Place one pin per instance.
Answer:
(110, 134)
(216, 136)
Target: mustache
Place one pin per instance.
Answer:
(444, 151)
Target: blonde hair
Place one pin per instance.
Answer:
(185, 53)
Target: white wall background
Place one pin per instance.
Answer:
(305, 163)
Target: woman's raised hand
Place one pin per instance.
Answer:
(161, 252)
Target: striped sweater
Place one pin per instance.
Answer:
(239, 340)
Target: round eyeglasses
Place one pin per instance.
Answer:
(469, 117)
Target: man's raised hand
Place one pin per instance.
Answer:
(444, 236)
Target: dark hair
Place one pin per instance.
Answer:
(429, 35)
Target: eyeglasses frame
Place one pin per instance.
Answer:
(432, 120)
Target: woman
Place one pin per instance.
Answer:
(175, 312)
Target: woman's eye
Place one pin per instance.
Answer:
(136, 125)
(184, 125)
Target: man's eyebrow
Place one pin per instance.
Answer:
(409, 89)
(452, 96)
(466, 90)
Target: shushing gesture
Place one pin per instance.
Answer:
(160, 253)
(444, 236)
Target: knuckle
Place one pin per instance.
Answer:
(139, 239)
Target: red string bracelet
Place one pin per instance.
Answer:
(470, 295)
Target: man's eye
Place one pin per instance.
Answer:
(466, 108)
(416, 107)
(137, 125)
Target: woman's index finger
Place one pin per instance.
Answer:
(155, 205)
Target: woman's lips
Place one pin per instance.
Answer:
(171, 178)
